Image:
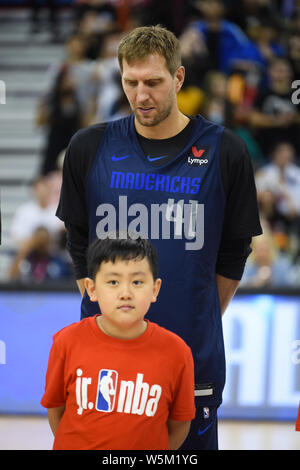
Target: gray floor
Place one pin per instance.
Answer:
(33, 433)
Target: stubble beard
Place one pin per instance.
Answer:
(159, 117)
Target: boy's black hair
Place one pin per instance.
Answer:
(110, 249)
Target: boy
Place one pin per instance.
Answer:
(115, 380)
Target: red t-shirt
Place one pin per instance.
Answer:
(118, 393)
(298, 420)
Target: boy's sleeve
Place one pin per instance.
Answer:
(54, 395)
(298, 420)
(183, 406)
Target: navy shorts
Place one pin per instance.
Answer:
(203, 433)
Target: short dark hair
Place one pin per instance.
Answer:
(111, 249)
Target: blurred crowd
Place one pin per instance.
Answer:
(242, 61)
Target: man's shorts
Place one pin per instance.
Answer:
(203, 433)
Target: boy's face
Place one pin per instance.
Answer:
(124, 291)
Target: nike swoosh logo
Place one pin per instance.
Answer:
(202, 431)
(117, 159)
(153, 159)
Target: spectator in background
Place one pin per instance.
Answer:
(250, 68)
(36, 261)
(38, 211)
(282, 177)
(194, 56)
(274, 118)
(38, 236)
(267, 40)
(267, 267)
(294, 53)
(278, 191)
(263, 46)
(80, 69)
(107, 79)
(217, 106)
(93, 28)
(224, 40)
(60, 113)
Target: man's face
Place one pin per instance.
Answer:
(280, 71)
(283, 155)
(150, 89)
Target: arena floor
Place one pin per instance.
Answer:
(33, 433)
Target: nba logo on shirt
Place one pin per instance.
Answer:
(206, 412)
(106, 390)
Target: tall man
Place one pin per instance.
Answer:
(185, 183)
